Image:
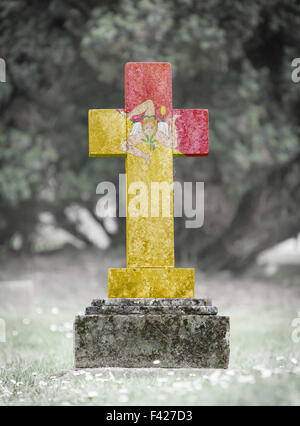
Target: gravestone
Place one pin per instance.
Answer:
(151, 313)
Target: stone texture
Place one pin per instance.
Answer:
(151, 306)
(192, 132)
(151, 282)
(107, 130)
(149, 234)
(175, 302)
(149, 239)
(138, 339)
(146, 310)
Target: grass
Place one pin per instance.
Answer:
(263, 368)
(36, 361)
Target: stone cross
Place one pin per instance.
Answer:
(148, 133)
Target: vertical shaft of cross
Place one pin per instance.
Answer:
(150, 240)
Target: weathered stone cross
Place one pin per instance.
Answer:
(148, 132)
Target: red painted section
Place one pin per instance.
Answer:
(153, 80)
(192, 131)
(148, 80)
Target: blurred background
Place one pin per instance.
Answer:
(233, 58)
(63, 58)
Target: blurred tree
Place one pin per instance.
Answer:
(230, 57)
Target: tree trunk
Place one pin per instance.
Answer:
(267, 214)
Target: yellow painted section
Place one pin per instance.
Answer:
(177, 153)
(150, 240)
(151, 282)
(150, 268)
(107, 129)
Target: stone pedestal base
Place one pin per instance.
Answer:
(141, 332)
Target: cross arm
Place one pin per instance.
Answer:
(192, 132)
(107, 130)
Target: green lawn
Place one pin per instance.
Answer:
(263, 369)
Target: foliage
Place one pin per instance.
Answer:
(66, 57)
